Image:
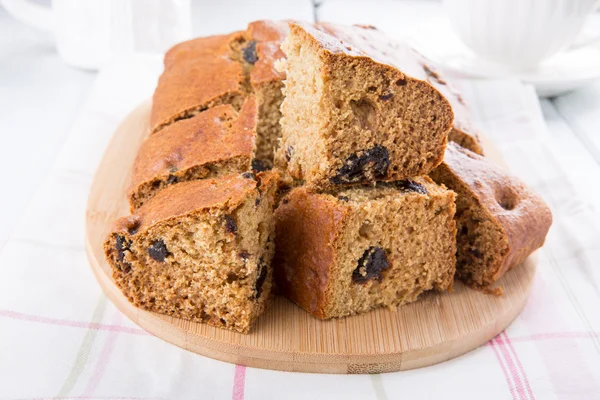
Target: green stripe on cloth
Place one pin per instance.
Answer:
(378, 387)
(84, 349)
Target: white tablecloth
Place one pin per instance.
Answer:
(61, 338)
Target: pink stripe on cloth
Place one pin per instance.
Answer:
(506, 376)
(70, 323)
(511, 368)
(239, 383)
(523, 373)
(103, 359)
(537, 337)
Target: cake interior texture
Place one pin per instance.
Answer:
(481, 243)
(352, 250)
(209, 265)
(347, 118)
(500, 222)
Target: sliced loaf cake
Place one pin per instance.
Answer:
(500, 221)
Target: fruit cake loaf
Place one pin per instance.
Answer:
(218, 141)
(499, 220)
(354, 249)
(351, 116)
(199, 250)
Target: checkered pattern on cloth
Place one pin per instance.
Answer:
(61, 338)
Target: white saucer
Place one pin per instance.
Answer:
(568, 70)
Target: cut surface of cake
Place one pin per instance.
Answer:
(351, 250)
(500, 222)
(218, 141)
(200, 250)
(464, 131)
(260, 52)
(354, 114)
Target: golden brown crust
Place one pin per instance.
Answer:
(209, 47)
(521, 214)
(215, 136)
(310, 256)
(190, 86)
(183, 198)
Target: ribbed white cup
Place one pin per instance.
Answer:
(518, 33)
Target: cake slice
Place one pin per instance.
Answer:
(199, 250)
(352, 114)
(500, 221)
(354, 249)
(218, 141)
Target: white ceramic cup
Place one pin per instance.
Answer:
(518, 33)
(89, 32)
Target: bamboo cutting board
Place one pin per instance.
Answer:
(436, 328)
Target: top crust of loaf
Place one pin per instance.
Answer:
(203, 47)
(215, 135)
(177, 200)
(359, 42)
(191, 86)
(522, 214)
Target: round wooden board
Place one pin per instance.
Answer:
(436, 328)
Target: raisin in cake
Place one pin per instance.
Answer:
(355, 249)
(499, 220)
(199, 250)
(218, 141)
(350, 117)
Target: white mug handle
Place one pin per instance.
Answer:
(32, 14)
